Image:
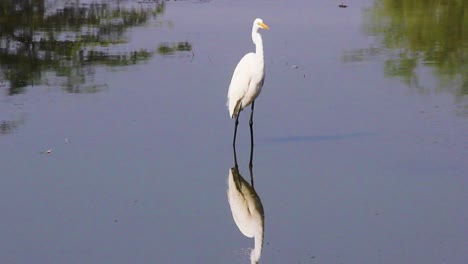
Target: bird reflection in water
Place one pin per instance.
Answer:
(246, 207)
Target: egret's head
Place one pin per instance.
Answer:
(259, 24)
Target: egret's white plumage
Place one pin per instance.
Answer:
(247, 80)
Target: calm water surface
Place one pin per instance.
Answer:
(361, 132)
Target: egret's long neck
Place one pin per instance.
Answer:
(257, 40)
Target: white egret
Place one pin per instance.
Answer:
(247, 79)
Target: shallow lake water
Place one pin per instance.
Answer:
(116, 144)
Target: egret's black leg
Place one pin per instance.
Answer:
(251, 136)
(235, 156)
(236, 170)
(251, 168)
(251, 123)
(235, 130)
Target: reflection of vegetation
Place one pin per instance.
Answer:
(169, 49)
(69, 42)
(8, 126)
(415, 33)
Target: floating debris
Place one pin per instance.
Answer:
(67, 141)
(294, 66)
(342, 6)
(47, 151)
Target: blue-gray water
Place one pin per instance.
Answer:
(358, 158)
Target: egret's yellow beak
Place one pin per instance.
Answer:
(263, 25)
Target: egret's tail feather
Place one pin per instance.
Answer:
(234, 109)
